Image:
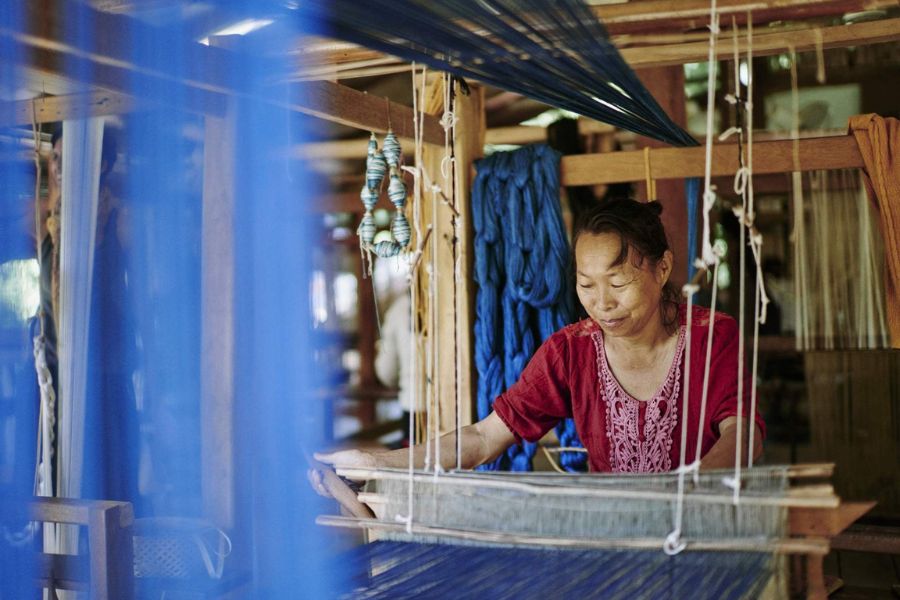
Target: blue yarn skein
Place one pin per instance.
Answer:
(521, 263)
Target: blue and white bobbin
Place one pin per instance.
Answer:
(369, 197)
(386, 249)
(391, 149)
(367, 229)
(400, 229)
(376, 167)
(397, 190)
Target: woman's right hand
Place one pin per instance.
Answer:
(343, 459)
(348, 459)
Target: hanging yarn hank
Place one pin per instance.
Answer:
(521, 261)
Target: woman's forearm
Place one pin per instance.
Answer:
(480, 443)
(721, 455)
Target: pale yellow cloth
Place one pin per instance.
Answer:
(879, 144)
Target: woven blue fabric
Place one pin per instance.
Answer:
(396, 570)
(522, 263)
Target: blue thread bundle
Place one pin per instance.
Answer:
(522, 262)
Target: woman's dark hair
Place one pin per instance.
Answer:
(642, 234)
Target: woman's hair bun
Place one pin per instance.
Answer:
(655, 207)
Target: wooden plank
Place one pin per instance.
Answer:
(207, 80)
(814, 546)
(468, 147)
(61, 108)
(765, 44)
(63, 571)
(646, 16)
(836, 152)
(663, 12)
(340, 104)
(869, 538)
(826, 522)
(111, 553)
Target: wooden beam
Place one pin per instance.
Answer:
(765, 44)
(208, 79)
(340, 104)
(837, 152)
(658, 15)
(646, 16)
(60, 108)
(826, 522)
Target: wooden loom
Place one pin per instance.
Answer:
(343, 105)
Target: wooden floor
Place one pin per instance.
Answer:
(865, 575)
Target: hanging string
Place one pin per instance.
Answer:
(650, 182)
(798, 235)
(673, 544)
(741, 177)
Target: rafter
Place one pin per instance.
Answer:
(837, 152)
(207, 81)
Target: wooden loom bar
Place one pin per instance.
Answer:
(836, 152)
(838, 36)
(812, 496)
(809, 545)
(207, 80)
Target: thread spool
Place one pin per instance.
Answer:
(400, 229)
(391, 149)
(397, 191)
(376, 167)
(369, 197)
(386, 249)
(366, 229)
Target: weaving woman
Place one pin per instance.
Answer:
(618, 373)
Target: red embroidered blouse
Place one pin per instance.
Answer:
(568, 376)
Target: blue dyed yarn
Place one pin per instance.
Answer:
(692, 197)
(416, 570)
(522, 262)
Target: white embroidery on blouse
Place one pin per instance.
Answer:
(628, 453)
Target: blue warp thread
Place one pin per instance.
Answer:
(391, 570)
(522, 264)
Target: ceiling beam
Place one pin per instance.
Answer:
(207, 78)
(627, 18)
(765, 44)
(682, 15)
(51, 109)
(837, 152)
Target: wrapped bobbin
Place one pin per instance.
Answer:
(369, 197)
(400, 229)
(366, 229)
(397, 191)
(391, 149)
(376, 167)
(386, 249)
(373, 145)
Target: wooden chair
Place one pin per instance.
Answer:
(107, 572)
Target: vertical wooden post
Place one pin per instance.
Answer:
(666, 85)
(111, 551)
(217, 327)
(452, 241)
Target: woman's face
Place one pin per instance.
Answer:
(623, 299)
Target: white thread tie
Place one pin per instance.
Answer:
(673, 544)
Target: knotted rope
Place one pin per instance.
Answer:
(521, 265)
